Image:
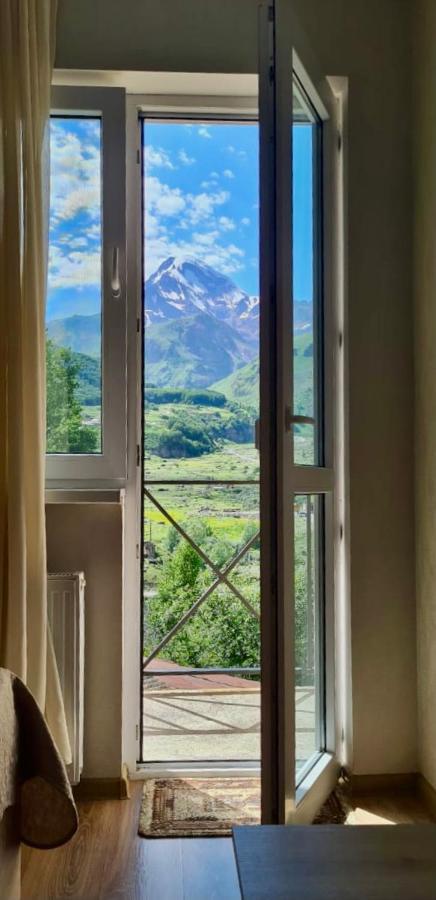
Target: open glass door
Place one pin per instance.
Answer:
(296, 468)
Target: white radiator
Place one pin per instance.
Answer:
(65, 602)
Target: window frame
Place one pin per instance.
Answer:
(69, 472)
(109, 467)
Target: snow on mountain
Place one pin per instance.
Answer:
(183, 286)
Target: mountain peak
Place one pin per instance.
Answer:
(186, 264)
(184, 285)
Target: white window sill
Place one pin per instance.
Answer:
(84, 495)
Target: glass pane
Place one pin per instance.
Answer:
(201, 300)
(309, 664)
(74, 299)
(189, 717)
(306, 249)
(201, 600)
(193, 714)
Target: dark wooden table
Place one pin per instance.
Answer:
(336, 862)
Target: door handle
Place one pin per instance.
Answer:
(115, 275)
(291, 419)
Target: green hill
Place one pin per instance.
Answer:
(242, 386)
(79, 333)
(193, 352)
(89, 379)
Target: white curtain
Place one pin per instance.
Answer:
(27, 39)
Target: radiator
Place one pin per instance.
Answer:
(65, 602)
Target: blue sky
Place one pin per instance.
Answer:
(200, 198)
(74, 276)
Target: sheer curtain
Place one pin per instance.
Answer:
(27, 40)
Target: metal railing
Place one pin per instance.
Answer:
(221, 574)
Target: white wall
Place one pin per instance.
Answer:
(369, 41)
(88, 538)
(424, 127)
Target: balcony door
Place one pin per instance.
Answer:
(237, 461)
(296, 411)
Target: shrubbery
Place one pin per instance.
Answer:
(66, 432)
(190, 433)
(184, 395)
(222, 633)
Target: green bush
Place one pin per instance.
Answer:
(222, 632)
(184, 395)
(65, 431)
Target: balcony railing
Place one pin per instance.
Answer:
(208, 713)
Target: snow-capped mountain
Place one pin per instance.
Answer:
(201, 327)
(184, 286)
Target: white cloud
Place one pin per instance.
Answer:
(162, 199)
(74, 173)
(74, 269)
(82, 199)
(228, 173)
(226, 224)
(211, 182)
(245, 221)
(75, 242)
(206, 239)
(205, 246)
(94, 231)
(235, 152)
(204, 132)
(201, 206)
(197, 211)
(185, 159)
(156, 158)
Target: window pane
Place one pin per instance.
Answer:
(201, 553)
(195, 713)
(309, 665)
(74, 299)
(306, 250)
(201, 300)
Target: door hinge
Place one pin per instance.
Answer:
(137, 551)
(138, 325)
(138, 455)
(339, 141)
(137, 732)
(138, 156)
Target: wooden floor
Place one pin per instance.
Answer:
(107, 860)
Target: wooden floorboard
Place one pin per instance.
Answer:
(107, 860)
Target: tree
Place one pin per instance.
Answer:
(66, 432)
(222, 632)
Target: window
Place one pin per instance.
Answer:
(86, 309)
